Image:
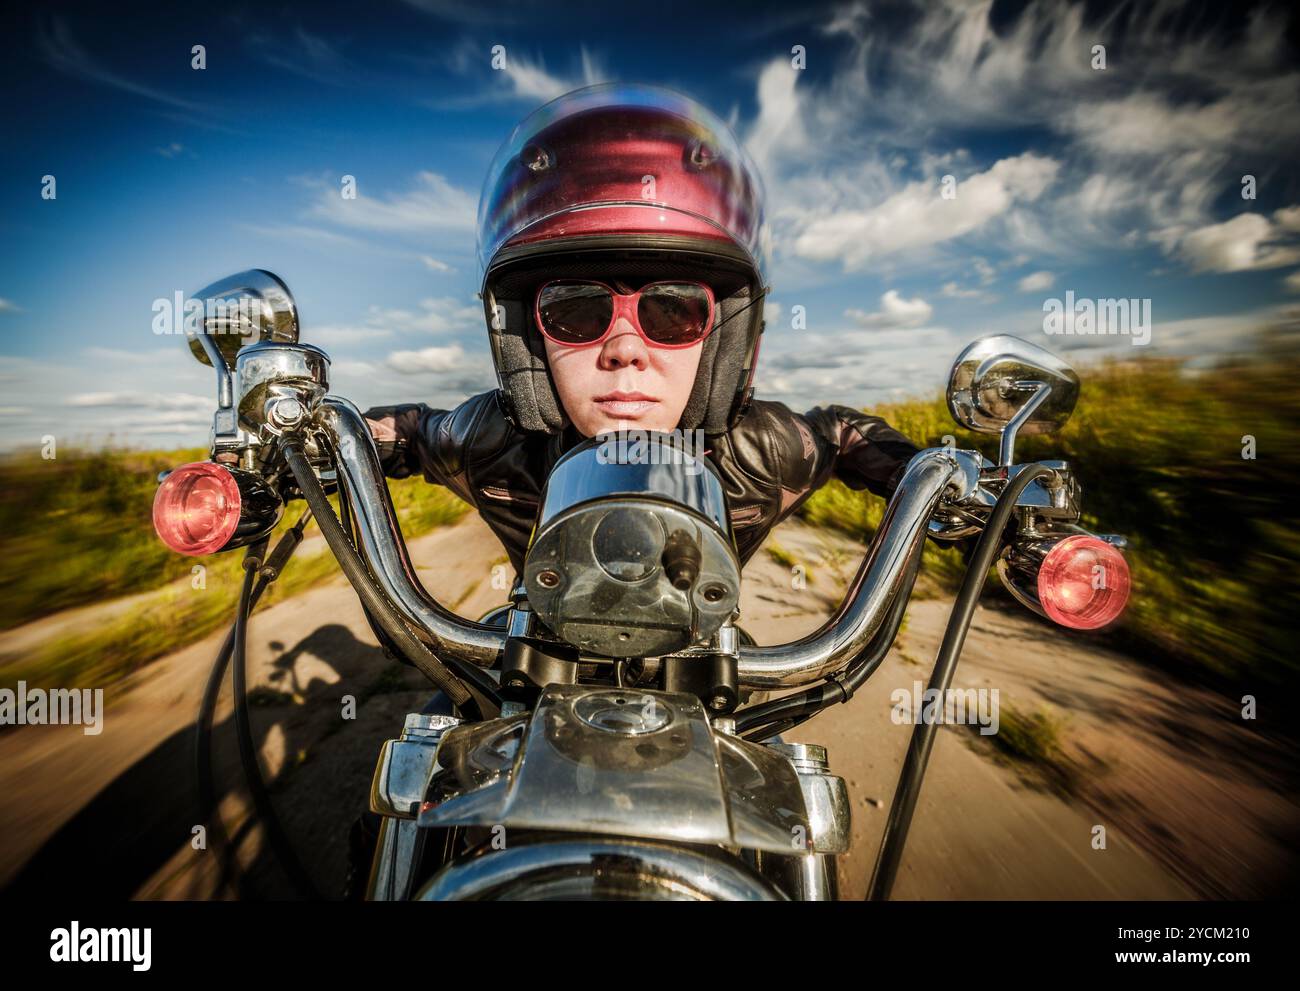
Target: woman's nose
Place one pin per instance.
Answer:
(624, 347)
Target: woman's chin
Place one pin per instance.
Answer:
(608, 422)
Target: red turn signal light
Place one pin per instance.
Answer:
(197, 508)
(1083, 583)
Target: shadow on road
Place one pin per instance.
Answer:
(130, 831)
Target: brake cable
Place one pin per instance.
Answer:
(354, 568)
(923, 736)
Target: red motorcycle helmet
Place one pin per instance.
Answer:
(631, 183)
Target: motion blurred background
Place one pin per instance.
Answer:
(1164, 172)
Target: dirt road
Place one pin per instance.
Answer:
(1191, 801)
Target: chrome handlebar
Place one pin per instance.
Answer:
(928, 477)
(380, 543)
(900, 535)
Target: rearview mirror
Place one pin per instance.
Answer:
(246, 308)
(1003, 385)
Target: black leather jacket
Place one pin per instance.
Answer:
(770, 463)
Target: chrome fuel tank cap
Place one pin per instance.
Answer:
(624, 713)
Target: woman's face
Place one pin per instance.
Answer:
(623, 382)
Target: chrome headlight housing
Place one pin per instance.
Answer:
(632, 554)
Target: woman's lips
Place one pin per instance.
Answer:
(625, 404)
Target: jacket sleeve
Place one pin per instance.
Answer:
(414, 438)
(865, 451)
(399, 433)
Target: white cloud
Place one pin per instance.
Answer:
(434, 265)
(779, 127)
(895, 311)
(336, 334)
(432, 204)
(918, 216)
(531, 81)
(436, 359)
(1292, 282)
(1246, 242)
(952, 290)
(442, 315)
(1036, 282)
(1288, 218)
(1185, 106)
(8, 306)
(177, 402)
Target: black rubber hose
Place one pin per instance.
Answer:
(923, 736)
(372, 599)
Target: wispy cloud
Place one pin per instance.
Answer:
(472, 12)
(434, 265)
(307, 55)
(1149, 143)
(1247, 242)
(512, 76)
(171, 402)
(430, 204)
(61, 50)
(919, 215)
(436, 359)
(1036, 282)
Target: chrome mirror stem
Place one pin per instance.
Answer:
(1007, 443)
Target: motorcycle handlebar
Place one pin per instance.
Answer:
(842, 637)
(380, 542)
(801, 662)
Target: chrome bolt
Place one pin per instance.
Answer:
(286, 413)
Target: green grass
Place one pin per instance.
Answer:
(1032, 737)
(79, 531)
(1214, 538)
(1030, 742)
(780, 555)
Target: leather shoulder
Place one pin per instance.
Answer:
(475, 431)
(777, 446)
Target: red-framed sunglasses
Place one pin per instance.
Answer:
(666, 314)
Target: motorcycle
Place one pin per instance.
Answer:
(611, 732)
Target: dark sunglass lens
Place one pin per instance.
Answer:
(575, 313)
(674, 313)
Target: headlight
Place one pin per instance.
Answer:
(632, 555)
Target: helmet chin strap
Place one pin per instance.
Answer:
(758, 297)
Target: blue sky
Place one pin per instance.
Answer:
(1117, 182)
